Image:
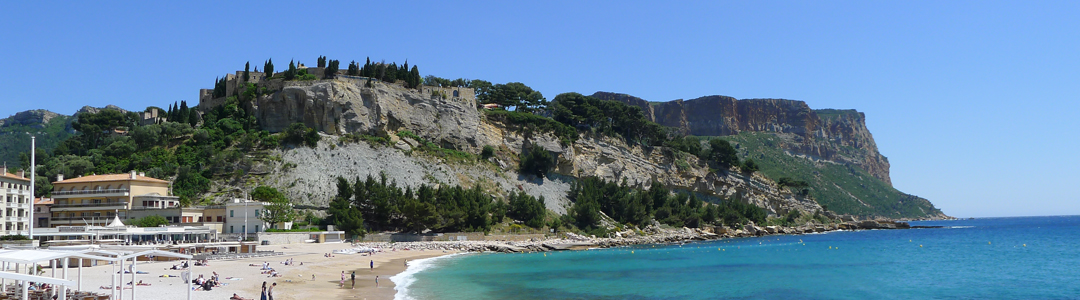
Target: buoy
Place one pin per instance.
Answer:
(830, 247)
(1025, 245)
(631, 251)
(920, 246)
(724, 250)
(908, 241)
(988, 243)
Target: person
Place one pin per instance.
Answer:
(354, 280)
(270, 292)
(342, 279)
(372, 264)
(376, 280)
(263, 295)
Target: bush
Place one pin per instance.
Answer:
(749, 166)
(537, 161)
(488, 152)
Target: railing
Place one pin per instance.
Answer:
(17, 219)
(91, 192)
(98, 219)
(114, 203)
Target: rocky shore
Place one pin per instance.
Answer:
(650, 235)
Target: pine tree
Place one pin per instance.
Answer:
(247, 66)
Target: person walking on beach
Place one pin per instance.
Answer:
(354, 280)
(270, 292)
(376, 280)
(342, 278)
(372, 264)
(263, 294)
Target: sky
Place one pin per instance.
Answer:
(975, 103)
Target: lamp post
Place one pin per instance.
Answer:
(33, 142)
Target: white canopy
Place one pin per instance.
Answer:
(25, 277)
(116, 222)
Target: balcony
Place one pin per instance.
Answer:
(91, 219)
(17, 219)
(85, 193)
(89, 206)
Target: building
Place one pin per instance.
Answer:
(95, 200)
(41, 212)
(15, 192)
(242, 216)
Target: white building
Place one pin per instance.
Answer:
(242, 216)
(15, 193)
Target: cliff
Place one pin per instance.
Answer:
(449, 118)
(834, 135)
(346, 106)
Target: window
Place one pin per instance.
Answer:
(256, 228)
(231, 229)
(219, 218)
(256, 213)
(231, 213)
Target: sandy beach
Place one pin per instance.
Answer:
(295, 282)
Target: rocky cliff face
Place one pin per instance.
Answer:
(836, 135)
(37, 117)
(342, 106)
(346, 106)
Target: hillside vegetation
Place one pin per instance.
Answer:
(842, 188)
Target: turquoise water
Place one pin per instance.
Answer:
(998, 258)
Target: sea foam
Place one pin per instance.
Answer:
(403, 280)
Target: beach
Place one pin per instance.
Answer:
(240, 277)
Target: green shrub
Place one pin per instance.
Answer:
(488, 152)
(537, 161)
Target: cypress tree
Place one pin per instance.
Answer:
(291, 72)
(183, 115)
(321, 62)
(414, 77)
(247, 66)
(268, 67)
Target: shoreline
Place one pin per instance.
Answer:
(244, 276)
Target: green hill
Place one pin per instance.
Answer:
(842, 188)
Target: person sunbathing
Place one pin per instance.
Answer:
(235, 297)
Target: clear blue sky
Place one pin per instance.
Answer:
(975, 103)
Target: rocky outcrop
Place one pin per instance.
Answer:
(37, 117)
(345, 105)
(94, 110)
(836, 135)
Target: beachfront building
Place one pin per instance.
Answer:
(242, 217)
(15, 193)
(41, 212)
(97, 199)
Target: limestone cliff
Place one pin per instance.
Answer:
(344, 105)
(836, 135)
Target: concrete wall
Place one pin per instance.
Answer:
(279, 238)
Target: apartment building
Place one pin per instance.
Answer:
(15, 193)
(95, 200)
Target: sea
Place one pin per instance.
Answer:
(986, 258)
